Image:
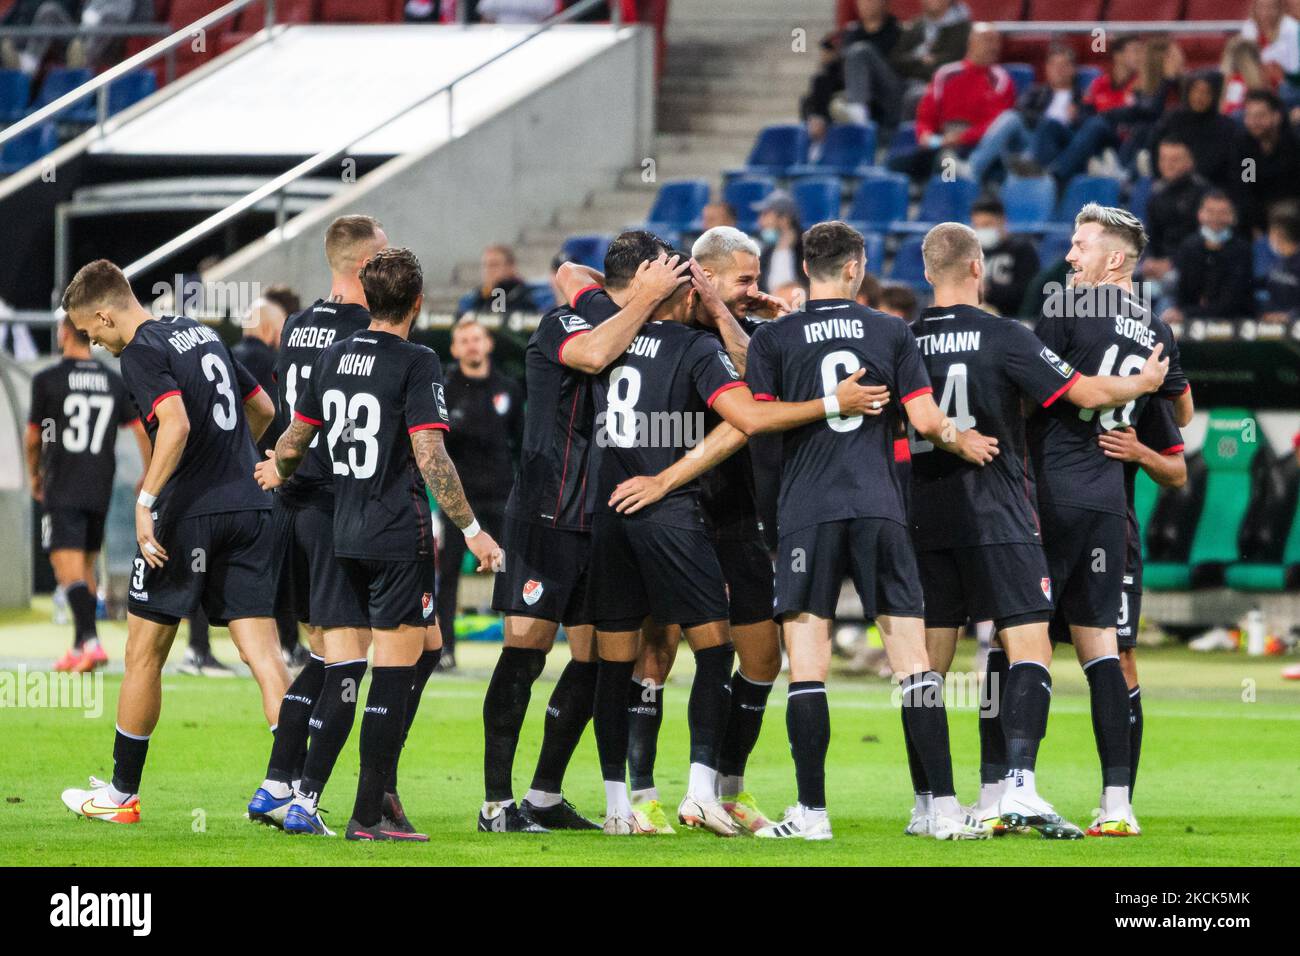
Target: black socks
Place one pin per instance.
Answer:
(706, 710)
(289, 751)
(744, 722)
(645, 715)
(1110, 719)
(1134, 736)
(331, 722)
(425, 665)
(128, 761)
(610, 717)
(926, 721)
(567, 714)
(81, 603)
(382, 727)
(504, 709)
(1025, 703)
(808, 723)
(993, 747)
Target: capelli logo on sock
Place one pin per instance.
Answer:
(77, 909)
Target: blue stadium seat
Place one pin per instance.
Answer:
(589, 250)
(1052, 248)
(902, 143)
(1022, 75)
(908, 265)
(1083, 189)
(846, 148)
(818, 199)
(744, 193)
(679, 205)
(15, 91)
(59, 81)
(942, 201)
(126, 91)
(1264, 258)
(28, 148)
(543, 295)
(1139, 195)
(1084, 77)
(777, 148)
(1029, 201)
(880, 200)
(875, 246)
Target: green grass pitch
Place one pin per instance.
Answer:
(1219, 785)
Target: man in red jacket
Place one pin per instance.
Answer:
(961, 101)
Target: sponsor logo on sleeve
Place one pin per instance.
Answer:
(440, 397)
(727, 364)
(574, 323)
(1063, 368)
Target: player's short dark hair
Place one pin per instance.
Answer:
(75, 332)
(828, 245)
(1217, 194)
(97, 283)
(901, 298)
(342, 237)
(627, 252)
(1287, 222)
(284, 297)
(989, 205)
(1172, 140)
(392, 281)
(1268, 98)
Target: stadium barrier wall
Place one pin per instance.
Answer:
(15, 495)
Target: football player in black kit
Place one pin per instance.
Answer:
(202, 525)
(378, 402)
(547, 536)
(76, 409)
(305, 569)
(1098, 325)
(650, 409)
(975, 529)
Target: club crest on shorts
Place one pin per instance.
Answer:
(532, 592)
(1046, 585)
(426, 605)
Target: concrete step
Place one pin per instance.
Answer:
(739, 125)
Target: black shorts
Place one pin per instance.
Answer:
(811, 564)
(73, 529)
(747, 569)
(644, 568)
(380, 594)
(1086, 552)
(220, 562)
(306, 570)
(545, 575)
(1007, 584)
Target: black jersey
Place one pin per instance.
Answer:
(305, 335)
(843, 467)
(1071, 468)
(259, 359)
(1158, 431)
(179, 356)
(650, 410)
(368, 394)
(487, 416)
(78, 406)
(980, 365)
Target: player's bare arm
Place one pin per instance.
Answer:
(1109, 391)
(654, 282)
(644, 490)
(260, 411)
(1122, 444)
(716, 314)
(573, 277)
(927, 419)
(168, 447)
(1184, 408)
(739, 407)
(288, 455)
(440, 475)
(145, 449)
(32, 449)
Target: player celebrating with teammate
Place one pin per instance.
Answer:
(77, 406)
(379, 401)
(202, 524)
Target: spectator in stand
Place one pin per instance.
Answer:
(1278, 37)
(1010, 262)
(937, 37)
(1282, 287)
(856, 63)
(1173, 208)
(1041, 124)
(718, 213)
(1266, 160)
(960, 103)
(1200, 125)
(869, 291)
(284, 297)
(1243, 72)
(899, 299)
(1213, 266)
(781, 238)
(35, 13)
(502, 289)
(1158, 85)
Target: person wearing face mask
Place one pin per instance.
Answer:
(1213, 266)
(1010, 262)
(781, 239)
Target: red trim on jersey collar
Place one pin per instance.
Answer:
(917, 394)
(1051, 399)
(310, 421)
(723, 388)
(559, 353)
(426, 426)
(764, 397)
(583, 291)
(902, 449)
(162, 397)
(1173, 449)
(252, 393)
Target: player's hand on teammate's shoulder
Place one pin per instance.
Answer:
(636, 493)
(1155, 368)
(265, 472)
(976, 448)
(154, 554)
(1120, 444)
(489, 554)
(662, 277)
(858, 399)
(768, 306)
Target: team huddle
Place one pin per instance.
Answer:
(961, 469)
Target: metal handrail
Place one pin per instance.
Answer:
(1116, 27)
(277, 185)
(100, 84)
(72, 31)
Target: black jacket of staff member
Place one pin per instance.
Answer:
(486, 409)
